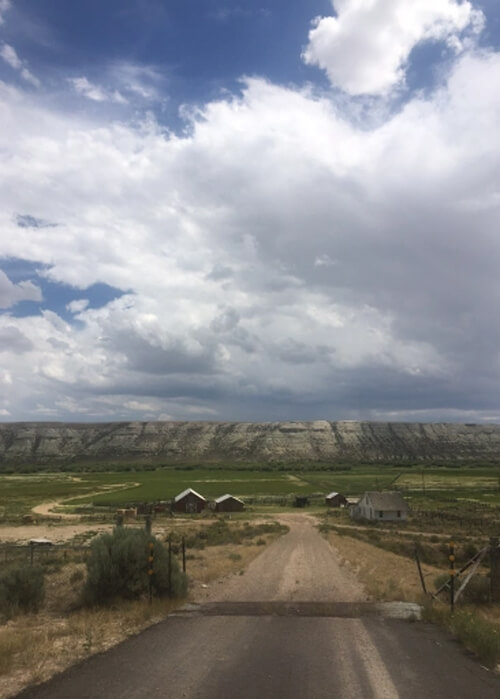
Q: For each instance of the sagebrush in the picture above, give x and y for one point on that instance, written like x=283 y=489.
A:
x=118 y=566
x=22 y=589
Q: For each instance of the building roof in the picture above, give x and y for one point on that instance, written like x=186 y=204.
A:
x=42 y=541
x=227 y=496
x=188 y=491
x=390 y=500
x=331 y=495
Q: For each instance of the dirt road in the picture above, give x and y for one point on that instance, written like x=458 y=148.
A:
x=295 y=624
x=298 y=566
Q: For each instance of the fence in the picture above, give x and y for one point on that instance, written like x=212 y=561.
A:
x=460 y=578
x=42 y=553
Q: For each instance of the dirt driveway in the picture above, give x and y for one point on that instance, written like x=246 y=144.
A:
x=301 y=565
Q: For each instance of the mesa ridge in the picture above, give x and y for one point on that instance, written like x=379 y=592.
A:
x=171 y=443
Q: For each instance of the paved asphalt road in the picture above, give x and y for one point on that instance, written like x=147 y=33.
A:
x=242 y=648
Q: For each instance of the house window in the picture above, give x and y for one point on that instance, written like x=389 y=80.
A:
x=380 y=514
x=399 y=513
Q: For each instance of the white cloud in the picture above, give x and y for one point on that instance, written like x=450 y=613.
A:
x=4 y=7
x=365 y=47
x=11 y=293
x=77 y=306
x=84 y=87
x=9 y=55
x=142 y=81
x=343 y=271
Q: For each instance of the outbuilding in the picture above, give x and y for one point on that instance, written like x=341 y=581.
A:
x=335 y=500
x=229 y=503
x=189 y=501
x=386 y=506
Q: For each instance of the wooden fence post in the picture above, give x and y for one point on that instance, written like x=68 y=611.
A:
x=417 y=559
x=150 y=570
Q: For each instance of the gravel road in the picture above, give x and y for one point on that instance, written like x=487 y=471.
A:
x=200 y=653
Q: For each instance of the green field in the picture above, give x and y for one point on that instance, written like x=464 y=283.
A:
x=427 y=488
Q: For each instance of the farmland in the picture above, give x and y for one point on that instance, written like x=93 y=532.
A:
x=428 y=488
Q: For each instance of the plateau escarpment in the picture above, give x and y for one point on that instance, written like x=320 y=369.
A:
x=170 y=443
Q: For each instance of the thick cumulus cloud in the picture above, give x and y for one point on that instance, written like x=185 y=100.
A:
x=365 y=47
x=278 y=261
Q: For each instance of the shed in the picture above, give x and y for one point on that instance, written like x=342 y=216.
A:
x=229 y=503
x=41 y=541
x=335 y=500
x=381 y=506
x=189 y=501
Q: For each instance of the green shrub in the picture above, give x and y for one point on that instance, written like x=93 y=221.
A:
x=22 y=589
x=479 y=635
x=76 y=577
x=117 y=567
x=477 y=590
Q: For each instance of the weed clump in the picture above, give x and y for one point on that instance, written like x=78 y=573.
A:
x=479 y=635
x=22 y=590
x=118 y=568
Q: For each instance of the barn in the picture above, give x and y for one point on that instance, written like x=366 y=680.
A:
x=189 y=501
x=386 y=506
x=229 y=503
x=335 y=500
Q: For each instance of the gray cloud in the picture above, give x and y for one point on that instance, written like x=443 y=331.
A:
x=342 y=273
x=12 y=340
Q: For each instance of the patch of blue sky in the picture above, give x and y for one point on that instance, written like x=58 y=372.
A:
x=56 y=296
x=200 y=48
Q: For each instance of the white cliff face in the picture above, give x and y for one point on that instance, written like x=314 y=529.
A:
x=286 y=442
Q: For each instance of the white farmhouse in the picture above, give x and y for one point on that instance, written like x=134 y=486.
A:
x=381 y=506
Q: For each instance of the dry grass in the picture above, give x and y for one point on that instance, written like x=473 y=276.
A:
x=385 y=575
x=217 y=562
x=35 y=647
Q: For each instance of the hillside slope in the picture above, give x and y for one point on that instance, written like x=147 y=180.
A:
x=223 y=442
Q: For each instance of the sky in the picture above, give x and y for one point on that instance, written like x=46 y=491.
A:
x=259 y=211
